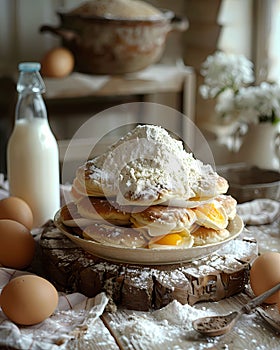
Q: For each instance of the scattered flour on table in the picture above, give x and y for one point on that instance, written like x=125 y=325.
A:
x=163 y=326
x=178 y=314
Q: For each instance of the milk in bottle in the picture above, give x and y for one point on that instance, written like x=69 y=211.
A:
x=32 y=152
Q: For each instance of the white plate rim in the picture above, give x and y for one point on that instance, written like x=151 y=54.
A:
x=144 y=256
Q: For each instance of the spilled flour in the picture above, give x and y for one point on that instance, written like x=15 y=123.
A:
x=162 y=326
x=170 y=328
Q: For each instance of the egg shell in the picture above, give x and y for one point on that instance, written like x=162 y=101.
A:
x=17 y=245
x=28 y=299
x=265 y=274
x=57 y=63
x=17 y=209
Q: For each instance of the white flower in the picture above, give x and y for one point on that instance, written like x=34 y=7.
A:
x=223 y=71
x=259 y=103
x=226 y=77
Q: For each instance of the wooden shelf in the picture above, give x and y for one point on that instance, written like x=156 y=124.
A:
x=79 y=93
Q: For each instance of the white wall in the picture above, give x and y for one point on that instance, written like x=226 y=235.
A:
x=236 y=19
x=20 y=21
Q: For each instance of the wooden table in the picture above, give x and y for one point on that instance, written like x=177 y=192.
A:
x=137 y=330
x=134 y=330
x=141 y=330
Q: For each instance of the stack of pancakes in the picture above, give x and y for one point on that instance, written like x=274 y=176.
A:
x=135 y=195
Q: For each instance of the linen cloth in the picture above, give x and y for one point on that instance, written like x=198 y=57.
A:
x=75 y=314
x=259 y=211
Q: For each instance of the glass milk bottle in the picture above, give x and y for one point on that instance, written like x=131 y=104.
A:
x=32 y=152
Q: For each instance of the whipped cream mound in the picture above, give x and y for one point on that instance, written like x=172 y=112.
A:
x=148 y=166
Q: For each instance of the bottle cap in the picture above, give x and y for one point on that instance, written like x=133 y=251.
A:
x=29 y=67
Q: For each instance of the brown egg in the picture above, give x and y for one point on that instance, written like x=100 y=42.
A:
x=265 y=274
x=57 y=63
x=17 y=245
x=17 y=209
x=28 y=299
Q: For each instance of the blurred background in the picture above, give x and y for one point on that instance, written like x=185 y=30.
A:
x=247 y=27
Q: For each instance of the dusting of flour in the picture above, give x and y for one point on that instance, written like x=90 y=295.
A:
x=162 y=326
x=148 y=164
x=178 y=314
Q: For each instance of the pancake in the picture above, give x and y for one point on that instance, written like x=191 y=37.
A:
x=151 y=189
x=209 y=184
x=159 y=220
x=104 y=211
x=229 y=204
x=117 y=236
x=157 y=227
x=203 y=236
x=91 y=177
x=149 y=167
x=69 y=216
x=75 y=195
x=187 y=203
x=211 y=215
x=78 y=190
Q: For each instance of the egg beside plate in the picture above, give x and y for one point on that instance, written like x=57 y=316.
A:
x=15 y=208
x=28 y=299
x=17 y=245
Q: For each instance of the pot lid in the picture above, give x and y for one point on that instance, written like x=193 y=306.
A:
x=118 y=9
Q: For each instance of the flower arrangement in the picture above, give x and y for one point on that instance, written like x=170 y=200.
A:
x=227 y=78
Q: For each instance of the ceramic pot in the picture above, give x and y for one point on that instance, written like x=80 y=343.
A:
x=104 y=45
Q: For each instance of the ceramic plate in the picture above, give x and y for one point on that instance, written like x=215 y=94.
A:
x=148 y=256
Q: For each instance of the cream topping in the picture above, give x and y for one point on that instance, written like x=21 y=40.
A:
x=148 y=165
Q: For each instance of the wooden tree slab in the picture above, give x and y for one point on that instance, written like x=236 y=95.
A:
x=137 y=287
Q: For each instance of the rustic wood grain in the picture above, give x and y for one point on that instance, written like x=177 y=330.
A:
x=96 y=338
x=137 y=287
x=250 y=331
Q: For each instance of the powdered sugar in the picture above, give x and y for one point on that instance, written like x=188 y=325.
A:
x=170 y=328
x=178 y=314
x=162 y=327
x=145 y=328
x=239 y=249
x=149 y=165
